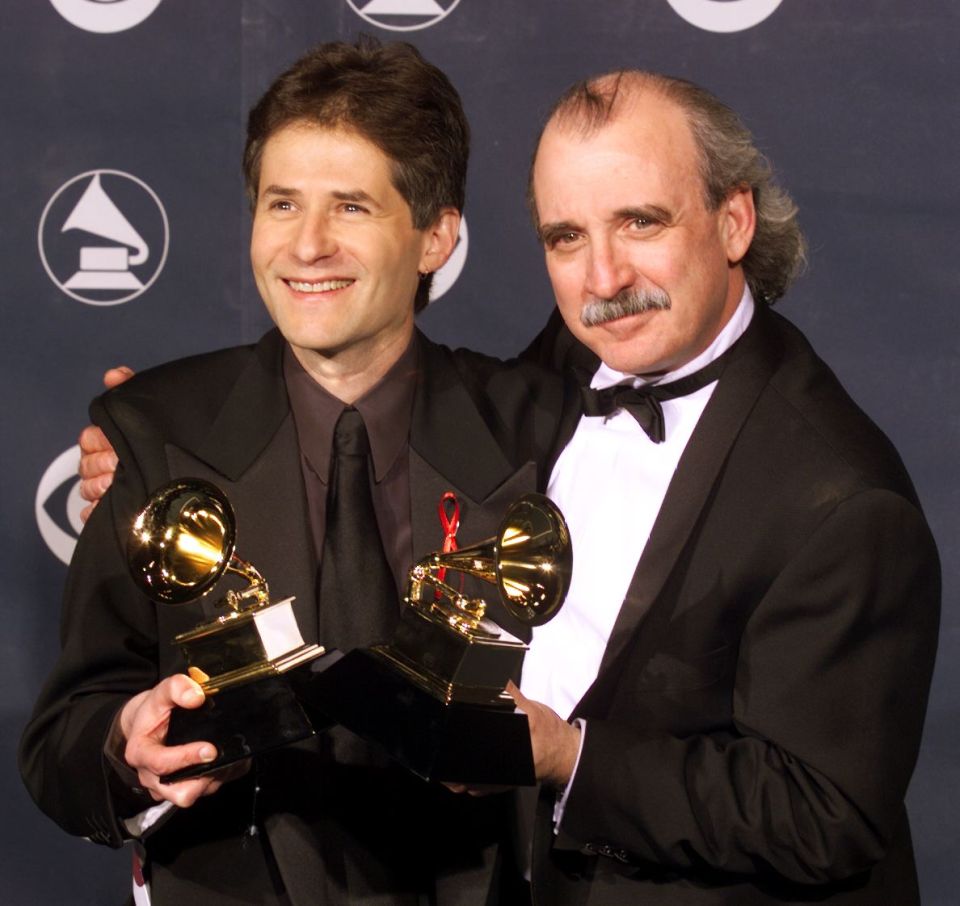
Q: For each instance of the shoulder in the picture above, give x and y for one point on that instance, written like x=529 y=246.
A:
x=182 y=397
x=817 y=416
x=493 y=381
x=519 y=402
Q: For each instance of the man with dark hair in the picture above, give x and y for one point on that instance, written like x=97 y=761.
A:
x=746 y=649
x=389 y=95
x=355 y=163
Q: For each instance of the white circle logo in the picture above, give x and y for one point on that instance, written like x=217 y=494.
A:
x=89 y=245
x=447 y=275
x=403 y=15
x=105 y=16
x=724 y=15
x=58 y=504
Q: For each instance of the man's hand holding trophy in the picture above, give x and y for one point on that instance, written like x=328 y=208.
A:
x=434 y=697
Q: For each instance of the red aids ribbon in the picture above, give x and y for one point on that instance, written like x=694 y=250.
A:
x=449 y=512
x=137 y=870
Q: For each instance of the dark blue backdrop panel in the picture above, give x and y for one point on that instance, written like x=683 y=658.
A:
x=856 y=108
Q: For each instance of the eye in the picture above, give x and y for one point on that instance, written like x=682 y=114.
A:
x=562 y=239
x=351 y=207
x=645 y=223
x=281 y=204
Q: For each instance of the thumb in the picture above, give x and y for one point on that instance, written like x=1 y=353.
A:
x=519 y=699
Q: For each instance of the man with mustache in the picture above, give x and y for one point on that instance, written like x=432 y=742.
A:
x=729 y=706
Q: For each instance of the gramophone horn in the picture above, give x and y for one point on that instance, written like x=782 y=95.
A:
x=530 y=559
x=96 y=213
x=183 y=541
x=534 y=559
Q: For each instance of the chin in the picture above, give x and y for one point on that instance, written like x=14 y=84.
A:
x=623 y=356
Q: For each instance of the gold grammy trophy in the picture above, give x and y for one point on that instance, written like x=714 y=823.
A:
x=182 y=543
x=434 y=697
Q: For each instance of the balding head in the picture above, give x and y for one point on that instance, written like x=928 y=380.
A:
x=726 y=155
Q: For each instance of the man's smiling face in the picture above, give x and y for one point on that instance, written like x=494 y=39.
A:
x=622 y=216
x=334 y=251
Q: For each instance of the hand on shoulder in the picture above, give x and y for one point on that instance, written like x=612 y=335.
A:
x=98 y=460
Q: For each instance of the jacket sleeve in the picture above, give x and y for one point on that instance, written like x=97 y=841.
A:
x=831 y=680
x=108 y=638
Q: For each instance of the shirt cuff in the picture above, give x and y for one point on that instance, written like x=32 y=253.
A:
x=561 y=802
x=148 y=820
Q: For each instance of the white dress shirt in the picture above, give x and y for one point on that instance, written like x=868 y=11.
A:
x=610 y=482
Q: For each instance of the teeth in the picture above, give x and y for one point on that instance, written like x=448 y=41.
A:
x=322 y=287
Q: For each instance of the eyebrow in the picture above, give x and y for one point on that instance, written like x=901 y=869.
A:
x=645 y=212
x=356 y=195
x=279 y=190
x=548 y=231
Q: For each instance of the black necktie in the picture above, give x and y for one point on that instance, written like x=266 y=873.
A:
x=643 y=403
x=358 y=595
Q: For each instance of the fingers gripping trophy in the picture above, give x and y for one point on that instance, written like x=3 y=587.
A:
x=182 y=543
x=433 y=696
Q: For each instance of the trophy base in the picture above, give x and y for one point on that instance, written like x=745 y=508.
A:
x=454 y=741
x=241 y=722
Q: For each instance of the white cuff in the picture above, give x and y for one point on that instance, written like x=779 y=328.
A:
x=148 y=819
x=561 y=802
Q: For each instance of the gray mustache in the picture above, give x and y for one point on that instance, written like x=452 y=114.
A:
x=626 y=302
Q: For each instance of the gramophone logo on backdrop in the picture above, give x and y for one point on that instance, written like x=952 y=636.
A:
x=105 y=16
x=724 y=15
x=447 y=275
x=103 y=237
x=403 y=15
x=58 y=504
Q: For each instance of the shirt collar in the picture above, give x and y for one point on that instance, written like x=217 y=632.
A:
x=731 y=332
x=386 y=409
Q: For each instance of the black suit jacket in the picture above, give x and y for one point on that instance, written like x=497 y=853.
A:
x=758 y=710
x=331 y=835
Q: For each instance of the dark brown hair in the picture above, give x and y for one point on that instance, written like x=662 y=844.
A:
x=392 y=97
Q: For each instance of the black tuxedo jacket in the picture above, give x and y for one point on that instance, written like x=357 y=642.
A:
x=478 y=428
x=758 y=710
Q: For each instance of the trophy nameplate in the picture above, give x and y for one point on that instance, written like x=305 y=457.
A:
x=182 y=542
x=434 y=696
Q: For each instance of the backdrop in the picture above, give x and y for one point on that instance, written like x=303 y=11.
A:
x=124 y=236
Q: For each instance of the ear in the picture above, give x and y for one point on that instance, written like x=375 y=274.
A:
x=440 y=239
x=738 y=223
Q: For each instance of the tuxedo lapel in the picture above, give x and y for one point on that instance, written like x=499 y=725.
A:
x=745 y=376
x=448 y=431
x=578 y=365
x=452 y=449
x=251 y=414
x=250 y=451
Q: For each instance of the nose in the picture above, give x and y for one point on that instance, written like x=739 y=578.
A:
x=608 y=270
x=313 y=239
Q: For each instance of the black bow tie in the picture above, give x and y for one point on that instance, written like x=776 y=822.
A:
x=643 y=403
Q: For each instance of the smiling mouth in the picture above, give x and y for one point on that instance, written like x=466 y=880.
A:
x=324 y=286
